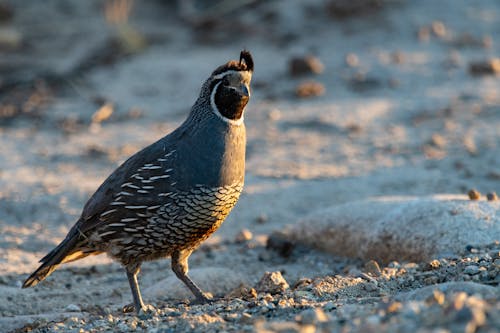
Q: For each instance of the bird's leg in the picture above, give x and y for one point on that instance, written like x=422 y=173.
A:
x=136 y=292
x=180 y=268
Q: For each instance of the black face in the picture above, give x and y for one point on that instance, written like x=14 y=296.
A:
x=231 y=100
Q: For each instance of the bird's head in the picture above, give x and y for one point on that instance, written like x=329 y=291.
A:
x=229 y=88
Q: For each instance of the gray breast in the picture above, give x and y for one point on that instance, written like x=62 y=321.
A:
x=212 y=155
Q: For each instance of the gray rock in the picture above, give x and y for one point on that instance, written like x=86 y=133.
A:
x=471 y=270
x=272 y=282
x=400 y=228
x=470 y=288
x=73 y=308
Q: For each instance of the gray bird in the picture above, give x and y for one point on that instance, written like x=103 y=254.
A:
x=172 y=195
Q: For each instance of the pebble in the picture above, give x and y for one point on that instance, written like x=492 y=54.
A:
x=310 y=89
x=305 y=65
x=434 y=264
x=244 y=236
x=438 y=29
x=280 y=243
x=474 y=194
x=370 y=286
x=373 y=268
x=352 y=60
x=272 y=282
x=246 y=318
x=329 y=306
x=485 y=67
x=73 y=308
x=312 y=316
x=492 y=196
x=244 y=292
x=273 y=115
x=471 y=270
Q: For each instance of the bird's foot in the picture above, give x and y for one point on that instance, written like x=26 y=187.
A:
x=204 y=298
x=145 y=311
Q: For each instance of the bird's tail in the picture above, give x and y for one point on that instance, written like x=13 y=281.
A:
x=68 y=250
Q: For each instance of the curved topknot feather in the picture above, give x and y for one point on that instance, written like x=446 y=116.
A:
x=245 y=64
x=247 y=60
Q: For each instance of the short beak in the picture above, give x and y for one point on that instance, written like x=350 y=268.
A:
x=245 y=90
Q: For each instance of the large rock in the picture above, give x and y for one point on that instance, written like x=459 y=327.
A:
x=400 y=228
x=470 y=288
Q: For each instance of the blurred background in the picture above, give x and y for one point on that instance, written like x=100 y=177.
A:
x=351 y=99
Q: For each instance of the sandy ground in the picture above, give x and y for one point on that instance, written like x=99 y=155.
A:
x=402 y=114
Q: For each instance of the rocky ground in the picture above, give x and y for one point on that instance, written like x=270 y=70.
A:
x=369 y=123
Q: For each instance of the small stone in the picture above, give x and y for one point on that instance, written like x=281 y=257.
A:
x=474 y=194
x=394 y=264
x=312 y=316
x=459 y=300
x=103 y=113
x=370 y=286
x=487 y=67
x=352 y=60
x=305 y=65
x=424 y=34
x=272 y=282
x=373 y=268
x=133 y=324
x=231 y=316
x=303 y=294
x=394 y=307
x=437 y=140
x=10 y=38
x=471 y=270
x=492 y=196
x=246 y=318
x=330 y=306
x=438 y=29
x=434 y=264
x=398 y=57
x=244 y=292
x=6 y=12
x=244 y=236
x=280 y=243
x=73 y=308
x=438 y=296
x=262 y=218
x=471 y=248
x=360 y=82
x=309 y=89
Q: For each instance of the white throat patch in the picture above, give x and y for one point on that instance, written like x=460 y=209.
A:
x=215 y=109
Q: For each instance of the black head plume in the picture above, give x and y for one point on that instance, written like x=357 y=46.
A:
x=245 y=64
x=246 y=60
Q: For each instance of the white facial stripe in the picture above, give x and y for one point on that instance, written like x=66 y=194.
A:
x=221 y=75
x=244 y=73
x=236 y=122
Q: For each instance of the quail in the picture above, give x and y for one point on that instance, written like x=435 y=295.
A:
x=165 y=200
